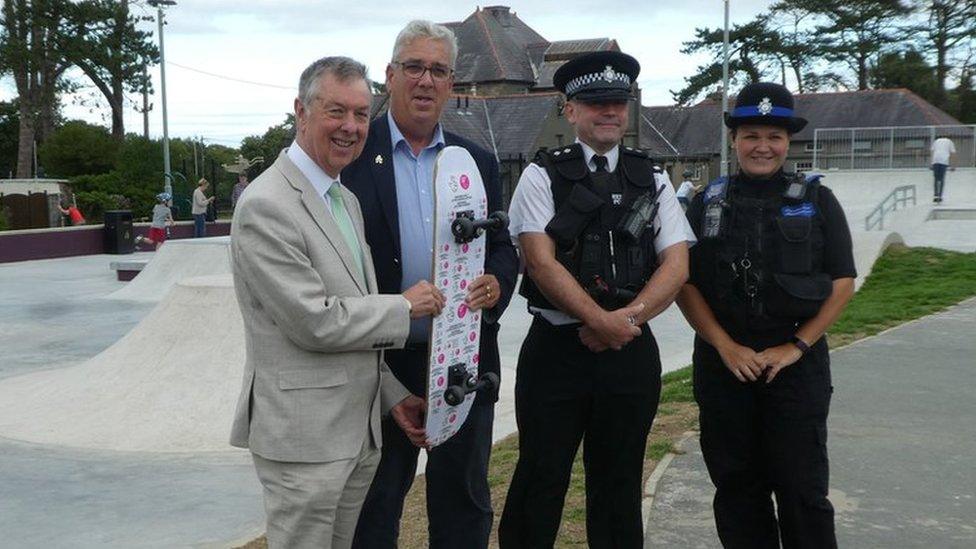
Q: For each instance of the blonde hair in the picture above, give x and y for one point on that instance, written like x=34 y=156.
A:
x=203 y=181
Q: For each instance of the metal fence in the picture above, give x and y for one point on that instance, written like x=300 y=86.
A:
x=509 y=170
x=889 y=147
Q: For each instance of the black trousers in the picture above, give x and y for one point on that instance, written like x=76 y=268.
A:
x=761 y=440
x=458 y=499
x=939 y=173
x=565 y=394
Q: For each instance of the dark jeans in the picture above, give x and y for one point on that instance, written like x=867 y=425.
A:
x=761 y=440
x=565 y=395
x=939 y=171
x=199 y=225
x=458 y=499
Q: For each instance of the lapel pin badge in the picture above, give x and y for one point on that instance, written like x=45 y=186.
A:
x=379 y=159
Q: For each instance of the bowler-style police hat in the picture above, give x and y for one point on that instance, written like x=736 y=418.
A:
x=766 y=104
x=598 y=77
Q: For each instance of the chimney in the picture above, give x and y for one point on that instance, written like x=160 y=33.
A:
x=502 y=14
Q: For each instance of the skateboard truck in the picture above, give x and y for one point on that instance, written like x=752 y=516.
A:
x=460 y=383
x=466 y=228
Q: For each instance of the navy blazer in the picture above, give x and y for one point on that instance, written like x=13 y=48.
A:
x=374 y=185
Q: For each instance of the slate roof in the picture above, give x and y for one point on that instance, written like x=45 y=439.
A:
x=495 y=45
x=515 y=120
x=694 y=130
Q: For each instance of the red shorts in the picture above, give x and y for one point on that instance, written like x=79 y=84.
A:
x=157 y=235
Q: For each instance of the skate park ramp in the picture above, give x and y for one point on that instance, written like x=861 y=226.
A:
x=861 y=191
x=174 y=261
x=169 y=385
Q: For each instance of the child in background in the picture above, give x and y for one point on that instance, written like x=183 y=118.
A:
x=162 y=218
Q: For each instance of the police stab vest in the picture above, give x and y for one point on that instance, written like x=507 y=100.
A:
x=767 y=253
x=597 y=220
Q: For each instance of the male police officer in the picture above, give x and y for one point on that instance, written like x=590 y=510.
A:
x=605 y=247
x=772 y=271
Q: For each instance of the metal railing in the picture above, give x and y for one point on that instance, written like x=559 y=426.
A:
x=899 y=196
x=887 y=148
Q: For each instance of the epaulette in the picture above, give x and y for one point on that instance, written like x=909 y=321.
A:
x=634 y=152
x=569 y=152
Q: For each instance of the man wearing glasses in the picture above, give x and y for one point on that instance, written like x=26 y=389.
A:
x=393 y=181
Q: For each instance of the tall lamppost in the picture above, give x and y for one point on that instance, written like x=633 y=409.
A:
x=167 y=174
x=724 y=168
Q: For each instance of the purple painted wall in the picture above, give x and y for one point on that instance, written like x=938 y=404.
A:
x=84 y=240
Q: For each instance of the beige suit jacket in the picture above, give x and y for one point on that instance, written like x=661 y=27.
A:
x=315 y=383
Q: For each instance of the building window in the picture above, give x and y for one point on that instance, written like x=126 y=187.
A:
x=862 y=145
x=559 y=139
x=915 y=143
x=804 y=166
x=809 y=147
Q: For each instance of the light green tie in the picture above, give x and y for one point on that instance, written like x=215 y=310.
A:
x=341 y=216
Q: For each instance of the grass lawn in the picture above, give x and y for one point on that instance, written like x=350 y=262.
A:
x=905 y=284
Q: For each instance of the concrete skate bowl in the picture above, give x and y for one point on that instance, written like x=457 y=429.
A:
x=174 y=261
x=169 y=385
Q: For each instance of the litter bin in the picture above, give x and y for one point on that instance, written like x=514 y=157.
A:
x=118 y=232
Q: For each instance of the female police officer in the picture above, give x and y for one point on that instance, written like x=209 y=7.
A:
x=772 y=271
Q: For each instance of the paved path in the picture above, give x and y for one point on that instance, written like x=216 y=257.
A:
x=901 y=445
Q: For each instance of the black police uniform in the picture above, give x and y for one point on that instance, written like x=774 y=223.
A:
x=779 y=245
x=565 y=393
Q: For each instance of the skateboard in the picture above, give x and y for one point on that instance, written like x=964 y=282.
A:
x=460 y=221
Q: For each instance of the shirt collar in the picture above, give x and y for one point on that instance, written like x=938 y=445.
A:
x=315 y=174
x=612 y=156
x=396 y=136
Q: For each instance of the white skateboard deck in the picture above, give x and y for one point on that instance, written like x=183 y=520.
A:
x=456 y=332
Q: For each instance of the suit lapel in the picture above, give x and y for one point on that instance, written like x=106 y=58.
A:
x=315 y=205
x=384 y=177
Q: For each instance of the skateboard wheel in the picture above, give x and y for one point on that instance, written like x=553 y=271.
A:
x=454 y=395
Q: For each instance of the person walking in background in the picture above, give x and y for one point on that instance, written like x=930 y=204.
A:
x=686 y=189
x=239 y=187
x=162 y=217
x=942 y=150
x=199 y=208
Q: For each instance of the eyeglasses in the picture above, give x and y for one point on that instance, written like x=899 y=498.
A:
x=416 y=70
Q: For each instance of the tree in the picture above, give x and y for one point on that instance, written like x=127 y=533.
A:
x=106 y=45
x=30 y=51
x=905 y=69
x=753 y=50
x=951 y=23
x=78 y=148
x=856 y=32
x=9 y=123
x=272 y=142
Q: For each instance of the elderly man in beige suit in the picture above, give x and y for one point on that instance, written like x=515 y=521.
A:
x=315 y=383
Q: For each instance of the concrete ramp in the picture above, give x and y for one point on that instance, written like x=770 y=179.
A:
x=174 y=261
x=169 y=385
x=860 y=192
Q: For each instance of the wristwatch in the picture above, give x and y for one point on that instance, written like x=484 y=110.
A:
x=800 y=344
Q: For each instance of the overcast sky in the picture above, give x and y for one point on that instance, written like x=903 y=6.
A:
x=269 y=42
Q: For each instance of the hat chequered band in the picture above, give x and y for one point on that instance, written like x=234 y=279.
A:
x=582 y=81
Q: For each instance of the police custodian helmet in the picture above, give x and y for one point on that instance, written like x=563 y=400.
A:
x=598 y=77
x=767 y=104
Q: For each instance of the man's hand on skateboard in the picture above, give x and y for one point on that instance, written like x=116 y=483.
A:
x=483 y=293
x=409 y=415
x=612 y=329
x=425 y=299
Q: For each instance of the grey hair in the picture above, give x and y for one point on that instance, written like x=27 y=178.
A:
x=342 y=68
x=421 y=28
